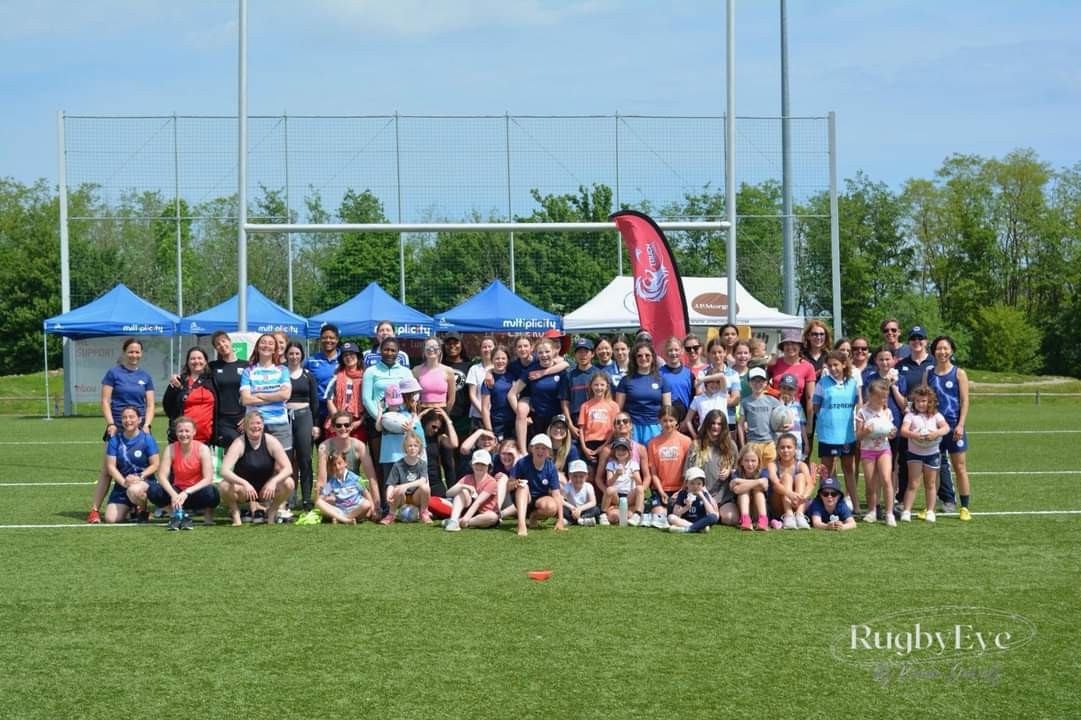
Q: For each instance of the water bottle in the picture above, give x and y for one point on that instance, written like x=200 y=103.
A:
x=623 y=512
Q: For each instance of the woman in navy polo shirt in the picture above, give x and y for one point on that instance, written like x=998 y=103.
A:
x=643 y=392
x=124 y=385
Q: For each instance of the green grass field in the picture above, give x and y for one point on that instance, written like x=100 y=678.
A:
x=409 y=621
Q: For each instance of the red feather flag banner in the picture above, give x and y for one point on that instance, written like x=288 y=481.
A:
x=658 y=287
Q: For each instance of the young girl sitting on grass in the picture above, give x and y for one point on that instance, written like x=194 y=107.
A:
x=923 y=427
x=407 y=481
x=344 y=497
x=792 y=480
x=874 y=430
x=624 y=480
x=749 y=485
x=693 y=510
x=579 y=500
x=475 y=496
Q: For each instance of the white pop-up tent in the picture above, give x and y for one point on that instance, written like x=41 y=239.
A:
x=707 y=306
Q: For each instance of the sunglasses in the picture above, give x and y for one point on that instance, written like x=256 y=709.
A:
x=829 y=493
x=622 y=422
x=817 y=334
x=692 y=348
x=891 y=331
x=342 y=426
x=860 y=348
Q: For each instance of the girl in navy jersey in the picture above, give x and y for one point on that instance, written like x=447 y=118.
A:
x=124 y=385
x=544 y=389
x=950 y=384
x=497 y=416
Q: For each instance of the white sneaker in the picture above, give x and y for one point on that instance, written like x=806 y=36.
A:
x=848 y=502
x=647 y=520
x=603 y=520
x=452 y=526
x=634 y=520
x=660 y=521
x=788 y=521
x=870 y=517
x=677 y=529
x=906 y=516
x=587 y=522
x=801 y=522
x=891 y=521
x=929 y=517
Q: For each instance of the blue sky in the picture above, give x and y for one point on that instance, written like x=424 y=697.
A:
x=910 y=81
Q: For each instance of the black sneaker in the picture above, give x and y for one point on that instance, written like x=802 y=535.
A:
x=245 y=515
x=186 y=523
x=174 y=523
x=258 y=517
x=308 y=505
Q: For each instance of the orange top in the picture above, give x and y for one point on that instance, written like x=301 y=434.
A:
x=595 y=419
x=666 y=456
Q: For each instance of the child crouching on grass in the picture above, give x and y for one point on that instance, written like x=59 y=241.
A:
x=828 y=512
x=407 y=481
x=475 y=496
x=344 y=497
x=579 y=499
x=692 y=508
x=749 y=485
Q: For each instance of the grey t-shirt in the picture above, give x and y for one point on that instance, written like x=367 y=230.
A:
x=402 y=472
x=756 y=413
x=712 y=463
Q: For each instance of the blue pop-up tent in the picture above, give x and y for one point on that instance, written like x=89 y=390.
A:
x=117 y=312
x=359 y=315
x=496 y=309
x=264 y=316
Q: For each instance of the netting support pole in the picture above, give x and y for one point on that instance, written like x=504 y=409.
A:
x=288 y=213
x=65 y=258
x=788 y=249
x=401 y=236
x=242 y=171
x=835 y=230
x=176 y=210
x=619 y=238
x=510 y=216
x=730 y=155
x=45 y=349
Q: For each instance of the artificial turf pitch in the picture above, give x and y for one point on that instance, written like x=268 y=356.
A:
x=410 y=621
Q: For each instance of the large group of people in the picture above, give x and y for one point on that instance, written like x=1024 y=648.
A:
x=678 y=434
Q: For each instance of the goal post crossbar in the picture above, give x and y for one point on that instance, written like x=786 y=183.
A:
x=468 y=227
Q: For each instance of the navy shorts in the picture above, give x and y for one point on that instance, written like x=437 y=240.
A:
x=119 y=496
x=931 y=461
x=826 y=450
x=948 y=445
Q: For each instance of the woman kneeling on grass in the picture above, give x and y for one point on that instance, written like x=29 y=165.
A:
x=476 y=496
x=344 y=497
x=186 y=478
x=256 y=468
x=131 y=459
x=538 y=495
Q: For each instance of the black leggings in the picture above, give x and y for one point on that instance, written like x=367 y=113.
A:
x=302 y=449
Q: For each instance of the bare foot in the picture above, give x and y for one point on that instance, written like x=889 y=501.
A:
x=522 y=532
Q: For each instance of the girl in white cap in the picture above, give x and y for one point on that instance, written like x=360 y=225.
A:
x=475 y=496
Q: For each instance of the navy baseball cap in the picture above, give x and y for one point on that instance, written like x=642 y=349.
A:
x=830 y=483
x=583 y=344
x=788 y=380
x=917 y=331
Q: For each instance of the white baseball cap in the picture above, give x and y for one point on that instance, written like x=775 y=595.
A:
x=541 y=439
x=481 y=457
x=693 y=473
x=577 y=466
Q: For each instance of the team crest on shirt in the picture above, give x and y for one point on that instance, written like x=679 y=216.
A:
x=656 y=386
x=949 y=383
x=138 y=453
x=142 y=382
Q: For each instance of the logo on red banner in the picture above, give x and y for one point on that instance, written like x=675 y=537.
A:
x=652 y=284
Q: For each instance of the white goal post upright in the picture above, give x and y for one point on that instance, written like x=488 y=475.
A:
x=244 y=227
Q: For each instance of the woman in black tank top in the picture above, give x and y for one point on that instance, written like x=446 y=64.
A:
x=256 y=470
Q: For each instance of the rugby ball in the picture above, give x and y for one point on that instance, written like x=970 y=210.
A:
x=880 y=427
x=396 y=422
x=408 y=513
x=779 y=417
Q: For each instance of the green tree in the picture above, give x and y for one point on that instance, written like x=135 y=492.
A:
x=359 y=258
x=1004 y=340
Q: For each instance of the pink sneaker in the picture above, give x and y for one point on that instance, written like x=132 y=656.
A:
x=776 y=524
x=387 y=519
x=745 y=522
x=425 y=517
x=763 y=522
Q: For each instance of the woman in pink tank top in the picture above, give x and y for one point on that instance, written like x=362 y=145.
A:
x=437 y=387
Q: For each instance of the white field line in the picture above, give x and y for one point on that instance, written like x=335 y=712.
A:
x=79 y=525
x=1022 y=432
x=52 y=442
x=53 y=484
